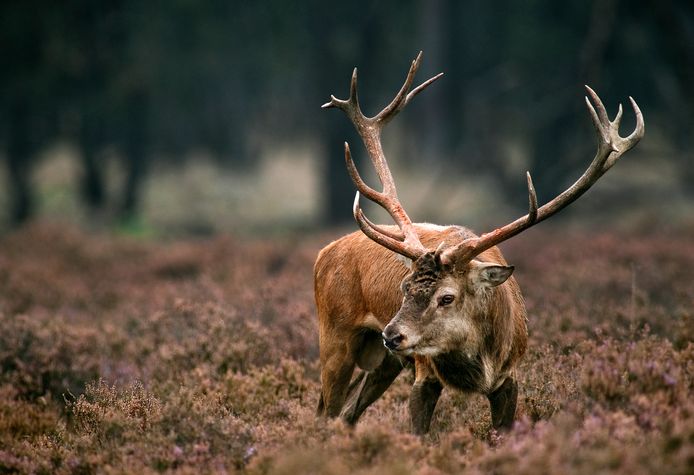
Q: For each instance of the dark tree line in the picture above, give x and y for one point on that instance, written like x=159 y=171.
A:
x=68 y=72
x=158 y=80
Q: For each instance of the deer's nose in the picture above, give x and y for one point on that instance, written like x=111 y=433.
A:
x=392 y=338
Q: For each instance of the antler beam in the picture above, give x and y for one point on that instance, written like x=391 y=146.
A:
x=611 y=146
x=406 y=242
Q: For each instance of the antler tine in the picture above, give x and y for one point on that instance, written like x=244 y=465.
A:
x=365 y=189
x=400 y=98
x=618 y=118
x=532 y=199
x=611 y=146
x=350 y=105
x=364 y=222
x=640 y=128
x=421 y=87
x=404 y=96
x=383 y=199
x=353 y=89
x=601 y=112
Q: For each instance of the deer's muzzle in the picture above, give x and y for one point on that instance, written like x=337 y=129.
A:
x=392 y=338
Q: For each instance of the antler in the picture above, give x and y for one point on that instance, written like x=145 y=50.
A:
x=610 y=147
x=406 y=242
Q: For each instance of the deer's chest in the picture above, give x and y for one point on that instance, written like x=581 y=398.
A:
x=460 y=370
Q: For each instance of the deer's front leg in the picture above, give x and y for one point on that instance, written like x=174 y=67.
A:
x=425 y=393
x=369 y=386
x=503 y=404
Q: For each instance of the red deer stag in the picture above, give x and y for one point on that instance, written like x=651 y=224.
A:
x=455 y=309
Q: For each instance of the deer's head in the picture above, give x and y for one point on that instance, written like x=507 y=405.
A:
x=444 y=300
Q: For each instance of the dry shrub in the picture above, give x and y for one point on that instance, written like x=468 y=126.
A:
x=24 y=419
x=267 y=391
x=616 y=371
x=201 y=357
x=136 y=431
x=188 y=335
x=548 y=381
x=107 y=414
x=40 y=356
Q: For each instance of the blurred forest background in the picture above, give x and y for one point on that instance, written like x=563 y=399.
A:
x=189 y=117
x=197 y=125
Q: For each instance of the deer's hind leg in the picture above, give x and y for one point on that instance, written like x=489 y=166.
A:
x=337 y=365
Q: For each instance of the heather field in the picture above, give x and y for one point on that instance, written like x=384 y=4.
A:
x=200 y=356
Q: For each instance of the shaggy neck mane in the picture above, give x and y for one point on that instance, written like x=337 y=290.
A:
x=492 y=313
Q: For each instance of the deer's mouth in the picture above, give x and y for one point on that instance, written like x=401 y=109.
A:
x=402 y=346
x=402 y=351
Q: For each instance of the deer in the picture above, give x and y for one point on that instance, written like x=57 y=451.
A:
x=440 y=297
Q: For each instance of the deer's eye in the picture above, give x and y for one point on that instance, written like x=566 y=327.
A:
x=446 y=300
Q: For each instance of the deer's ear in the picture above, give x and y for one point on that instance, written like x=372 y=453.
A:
x=405 y=260
x=488 y=274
